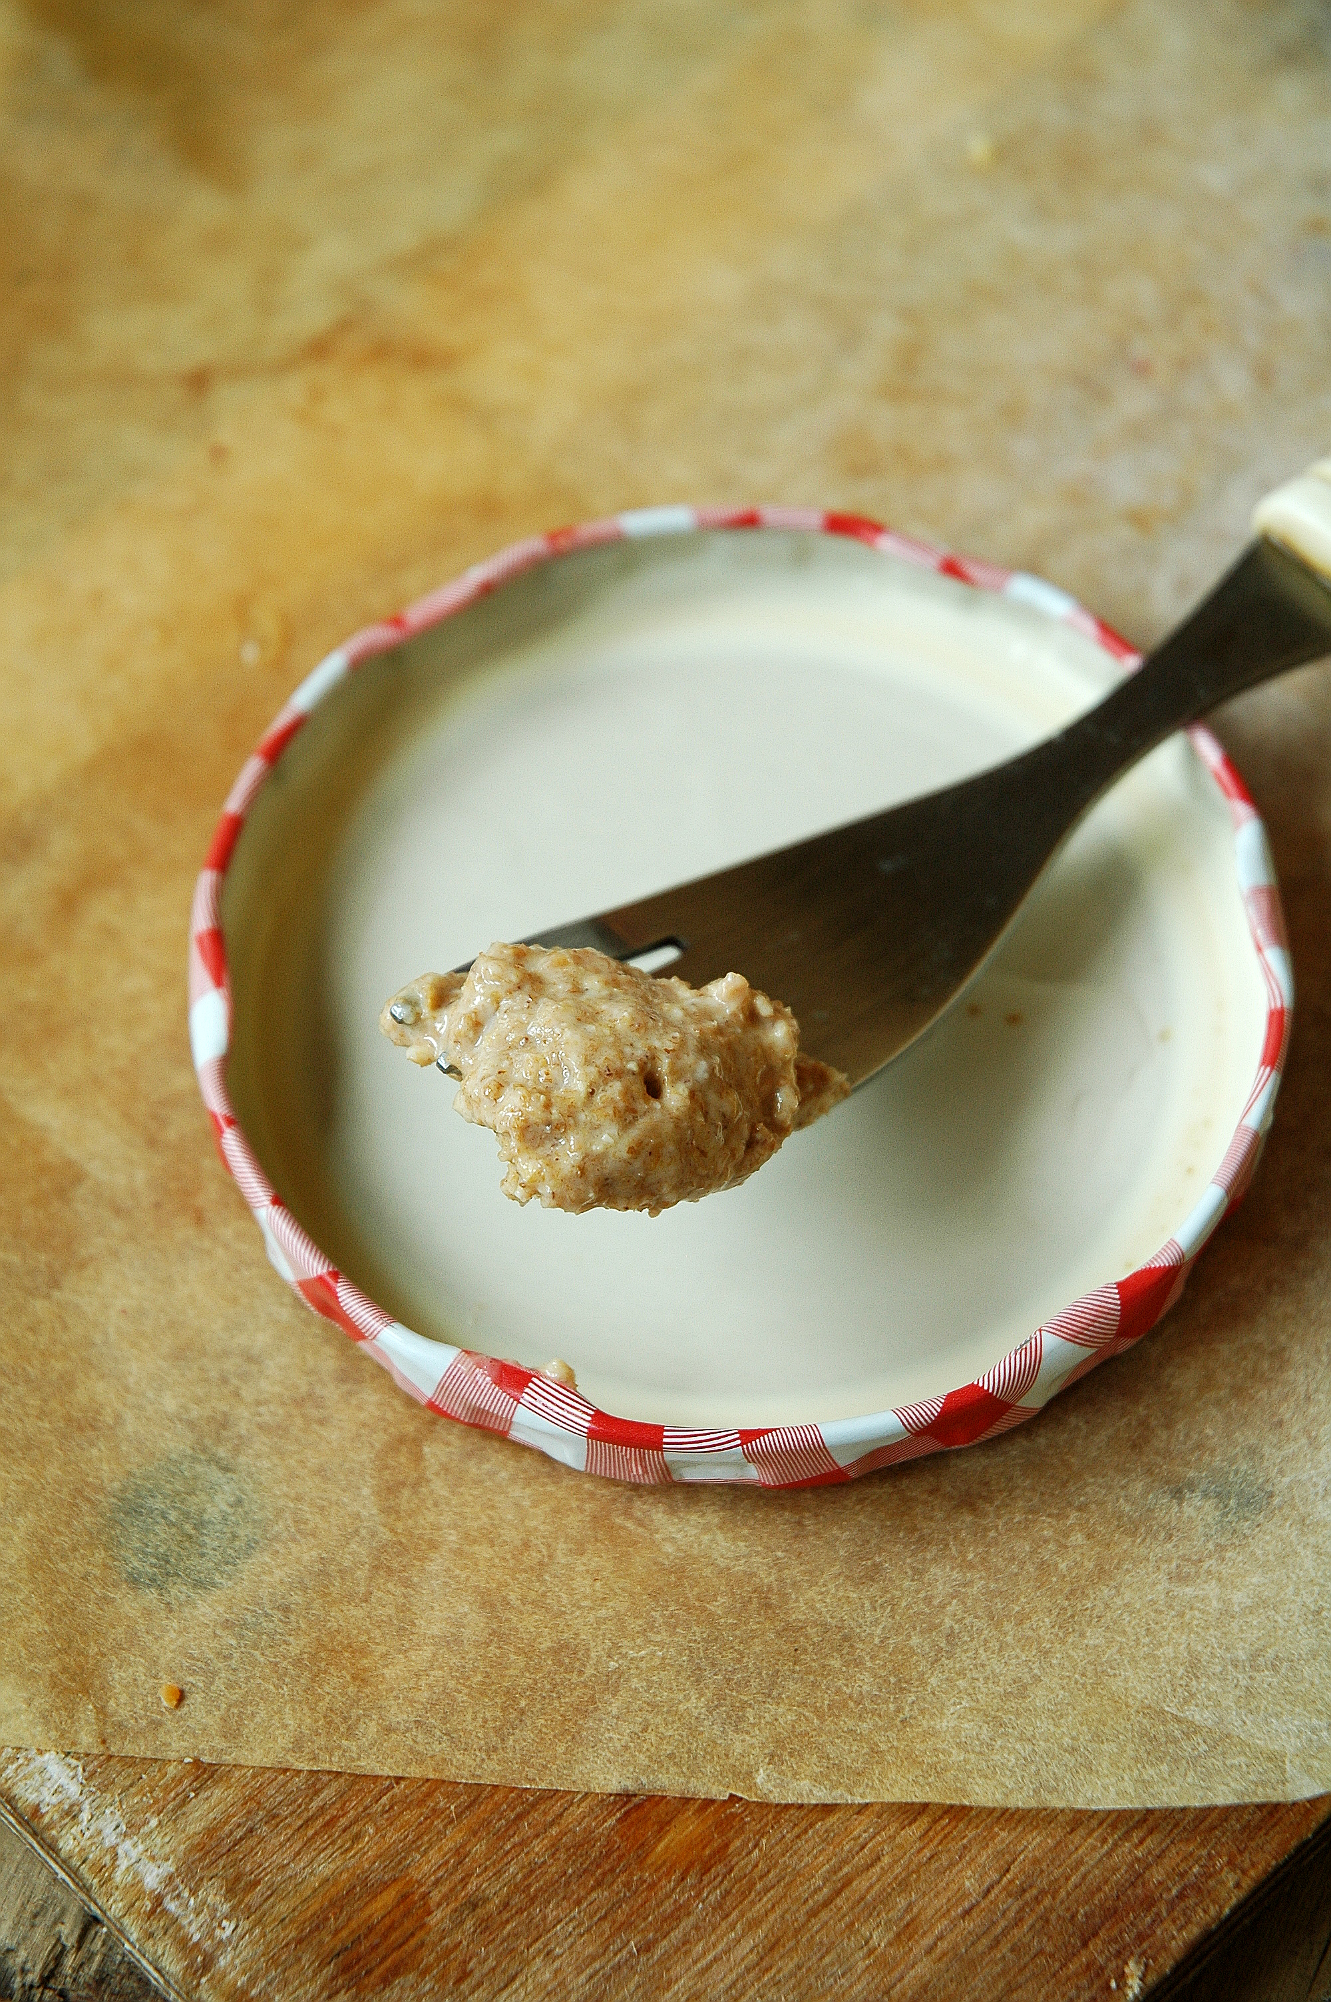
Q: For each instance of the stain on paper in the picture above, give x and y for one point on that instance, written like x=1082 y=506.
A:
x=184 y=1524
x=1234 y=1496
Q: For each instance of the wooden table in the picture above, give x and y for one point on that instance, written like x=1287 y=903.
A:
x=617 y=255
x=323 y=1885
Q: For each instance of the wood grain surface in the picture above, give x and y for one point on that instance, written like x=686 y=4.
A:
x=241 y=1883
x=304 y=307
x=52 y=1943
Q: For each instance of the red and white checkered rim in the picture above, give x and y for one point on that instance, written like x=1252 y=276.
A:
x=533 y=1408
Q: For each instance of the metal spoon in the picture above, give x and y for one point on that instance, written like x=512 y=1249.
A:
x=870 y=931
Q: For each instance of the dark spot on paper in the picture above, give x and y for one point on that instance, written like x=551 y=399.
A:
x=1232 y=1496
x=183 y=1525
x=1014 y=1018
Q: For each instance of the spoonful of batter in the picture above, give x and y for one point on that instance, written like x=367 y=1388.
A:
x=608 y=1087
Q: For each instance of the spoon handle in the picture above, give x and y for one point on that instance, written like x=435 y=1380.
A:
x=1271 y=612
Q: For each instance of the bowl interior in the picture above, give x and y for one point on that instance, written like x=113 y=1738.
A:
x=629 y=716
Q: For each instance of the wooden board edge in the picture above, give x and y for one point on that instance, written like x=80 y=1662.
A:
x=28 y=1835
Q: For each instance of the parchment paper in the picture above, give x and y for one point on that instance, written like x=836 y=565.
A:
x=1122 y=1603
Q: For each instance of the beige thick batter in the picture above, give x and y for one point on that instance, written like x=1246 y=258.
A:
x=607 y=1088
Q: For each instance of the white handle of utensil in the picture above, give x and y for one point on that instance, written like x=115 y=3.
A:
x=1299 y=515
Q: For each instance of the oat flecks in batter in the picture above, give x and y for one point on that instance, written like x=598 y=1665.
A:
x=607 y=1088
